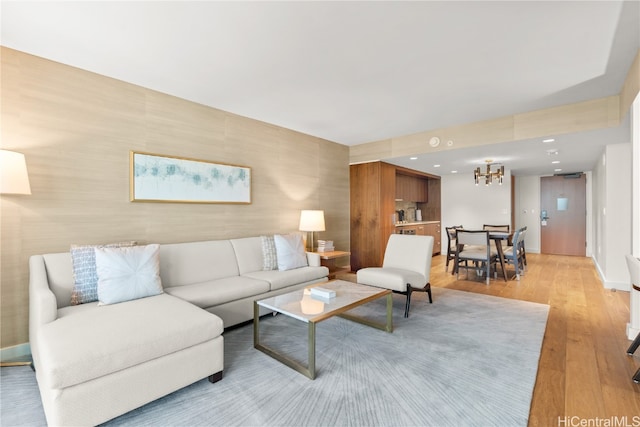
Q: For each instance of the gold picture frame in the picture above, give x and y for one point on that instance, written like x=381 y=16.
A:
x=173 y=179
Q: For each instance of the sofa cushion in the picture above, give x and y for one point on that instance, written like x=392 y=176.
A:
x=196 y=262
x=125 y=274
x=248 y=252
x=216 y=292
x=282 y=279
x=89 y=341
x=290 y=251
x=83 y=258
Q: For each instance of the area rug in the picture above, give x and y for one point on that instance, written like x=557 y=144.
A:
x=465 y=360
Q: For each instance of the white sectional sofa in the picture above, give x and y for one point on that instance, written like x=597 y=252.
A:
x=95 y=362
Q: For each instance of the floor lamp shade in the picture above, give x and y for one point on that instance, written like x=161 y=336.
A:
x=13 y=173
x=311 y=220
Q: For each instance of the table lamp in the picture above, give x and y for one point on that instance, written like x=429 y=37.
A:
x=311 y=221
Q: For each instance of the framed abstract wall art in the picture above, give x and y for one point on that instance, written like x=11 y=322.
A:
x=160 y=178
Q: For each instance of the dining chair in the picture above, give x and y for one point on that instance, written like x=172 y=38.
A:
x=514 y=254
x=489 y=227
x=475 y=246
x=523 y=235
x=406 y=267
x=451 y=247
x=506 y=228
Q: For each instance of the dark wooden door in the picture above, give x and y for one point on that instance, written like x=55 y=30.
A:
x=564 y=230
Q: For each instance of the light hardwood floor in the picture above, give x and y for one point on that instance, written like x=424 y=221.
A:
x=584 y=372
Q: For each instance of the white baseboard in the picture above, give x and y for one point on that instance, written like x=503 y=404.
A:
x=9 y=354
x=607 y=284
x=620 y=286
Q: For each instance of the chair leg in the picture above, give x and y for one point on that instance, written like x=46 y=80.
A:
x=489 y=272
x=406 y=307
x=634 y=345
x=516 y=264
x=428 y=287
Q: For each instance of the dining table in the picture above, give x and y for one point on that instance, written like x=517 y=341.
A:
x=498 y=237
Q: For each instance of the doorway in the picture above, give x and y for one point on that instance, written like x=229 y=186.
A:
x=563 y=214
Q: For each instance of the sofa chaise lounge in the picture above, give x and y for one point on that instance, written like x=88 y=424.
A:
x=95 y=362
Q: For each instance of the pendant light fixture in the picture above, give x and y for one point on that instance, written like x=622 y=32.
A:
x=488 y=175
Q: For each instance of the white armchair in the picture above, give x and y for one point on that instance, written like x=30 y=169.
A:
x=406 y=267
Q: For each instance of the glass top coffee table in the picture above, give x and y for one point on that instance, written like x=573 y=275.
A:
x=312 y=309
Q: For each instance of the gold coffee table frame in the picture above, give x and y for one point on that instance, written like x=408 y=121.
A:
x=348 y=296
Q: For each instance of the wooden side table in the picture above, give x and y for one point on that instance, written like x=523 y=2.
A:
x=328 y=259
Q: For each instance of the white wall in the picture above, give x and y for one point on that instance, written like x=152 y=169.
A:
x=633 y=328
x=472 y=206
x=527 y=207
x=618 y=194
x=612 y=215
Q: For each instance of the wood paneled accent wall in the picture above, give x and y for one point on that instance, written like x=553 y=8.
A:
x=76 y=129
x=431 y=210
x=373 y=190
x=373 y=204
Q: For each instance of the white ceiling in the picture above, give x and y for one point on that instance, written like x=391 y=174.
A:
x=354 y=72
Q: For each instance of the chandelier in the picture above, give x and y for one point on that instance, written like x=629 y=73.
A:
x=488 y=175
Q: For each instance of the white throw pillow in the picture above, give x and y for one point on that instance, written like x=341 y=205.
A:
x=128 y=273
x=290 y=251
x=83 y=258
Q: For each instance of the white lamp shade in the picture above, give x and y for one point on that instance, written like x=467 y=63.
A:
x=13 y=173
x=311 y=221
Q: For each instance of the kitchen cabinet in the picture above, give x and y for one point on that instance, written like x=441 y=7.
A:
x=373 y=191
x=374 y=188
x=411 y=188
x=433 y=229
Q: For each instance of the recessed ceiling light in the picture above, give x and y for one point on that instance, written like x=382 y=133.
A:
x=557 y=170
x=555 y=162
x=454 y=171
x=436 y=166
x=413 y=158
x=546 y=141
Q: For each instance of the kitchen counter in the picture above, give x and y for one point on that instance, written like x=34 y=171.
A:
x=402 y=224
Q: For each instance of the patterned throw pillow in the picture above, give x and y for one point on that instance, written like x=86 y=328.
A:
x=85 y=275
x=125 y=274
x=269 y=255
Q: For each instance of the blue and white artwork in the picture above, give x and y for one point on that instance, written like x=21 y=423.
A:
x=173 y=179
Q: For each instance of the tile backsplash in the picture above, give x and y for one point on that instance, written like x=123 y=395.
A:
x=409 y=210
